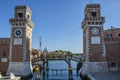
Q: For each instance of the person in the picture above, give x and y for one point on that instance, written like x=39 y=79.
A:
x=37 y=70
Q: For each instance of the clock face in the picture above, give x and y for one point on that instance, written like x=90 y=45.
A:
x=95 y=31
x=18 y=32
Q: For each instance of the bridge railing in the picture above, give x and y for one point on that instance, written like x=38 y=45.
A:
x=41 y=58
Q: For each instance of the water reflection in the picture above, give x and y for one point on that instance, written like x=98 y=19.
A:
x=58 y=70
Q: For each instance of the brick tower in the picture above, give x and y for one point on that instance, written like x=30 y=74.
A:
x=21 y=41
x=93 y=44
x=92 y=26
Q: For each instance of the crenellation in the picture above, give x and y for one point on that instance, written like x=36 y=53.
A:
x=92 y=6
x=21 y=7
x=95 y=18
x=4 y=40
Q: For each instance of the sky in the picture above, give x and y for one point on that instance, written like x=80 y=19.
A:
x=58 y=22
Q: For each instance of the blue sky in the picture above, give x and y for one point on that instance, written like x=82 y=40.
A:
x=58 y=22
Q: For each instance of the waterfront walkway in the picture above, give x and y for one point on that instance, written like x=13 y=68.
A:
x=106 y=76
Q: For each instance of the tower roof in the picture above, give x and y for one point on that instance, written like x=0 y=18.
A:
x=93 y=5
x=90 y=6
x=22 y=7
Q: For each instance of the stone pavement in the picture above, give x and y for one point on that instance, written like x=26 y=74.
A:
x=106 y=76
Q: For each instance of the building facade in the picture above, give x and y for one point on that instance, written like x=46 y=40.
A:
x=92 y=25
x=100 y=47
x=112 y=44
x=4 y=54
x=16 y=51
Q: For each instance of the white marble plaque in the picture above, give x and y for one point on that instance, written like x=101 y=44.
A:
x=95 y=40
x=3 y=59
x=18 y=41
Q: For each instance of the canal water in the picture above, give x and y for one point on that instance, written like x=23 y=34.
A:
x=58 y=70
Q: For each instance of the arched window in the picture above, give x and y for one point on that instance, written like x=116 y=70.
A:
x=20 y=15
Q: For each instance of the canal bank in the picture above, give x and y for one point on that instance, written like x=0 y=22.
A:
x=101 y=76
x=99 y=71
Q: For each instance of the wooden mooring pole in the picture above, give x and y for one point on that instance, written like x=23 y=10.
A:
x=44 y=70
x=47 y=66
x=70 y=76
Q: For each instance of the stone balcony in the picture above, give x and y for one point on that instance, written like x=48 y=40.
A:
x=95 y=18
x=20 y=20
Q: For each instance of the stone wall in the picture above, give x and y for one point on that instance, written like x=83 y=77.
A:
x=94 y=67
x=112 y=44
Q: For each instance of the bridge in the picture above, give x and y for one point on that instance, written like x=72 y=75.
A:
x=42 y=58
x=45 y=60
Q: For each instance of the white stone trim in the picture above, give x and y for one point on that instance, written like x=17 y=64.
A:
x=4 y=60
x=94 y=25
x=29 y=28
x=10 y=51
x=104 y=52
x=103 y=44
x=24 y=50
x=87 y=44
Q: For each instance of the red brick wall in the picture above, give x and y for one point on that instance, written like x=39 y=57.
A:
x=17 y=50
x=112 y=46
x=4 y=48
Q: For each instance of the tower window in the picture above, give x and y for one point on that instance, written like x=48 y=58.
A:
x=20 y=15
x=96 y=23
x=93 y=14
x=16 y=24
x=13 y=24
x=28 y=16
x=109 y=35
x=92 y=23
x=23 y=24
x=100 y=23
x=19 y=24
x=4 y=55
x=88 y=23
x=118 y=34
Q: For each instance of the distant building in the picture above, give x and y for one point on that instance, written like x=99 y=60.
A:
x=35 y=53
